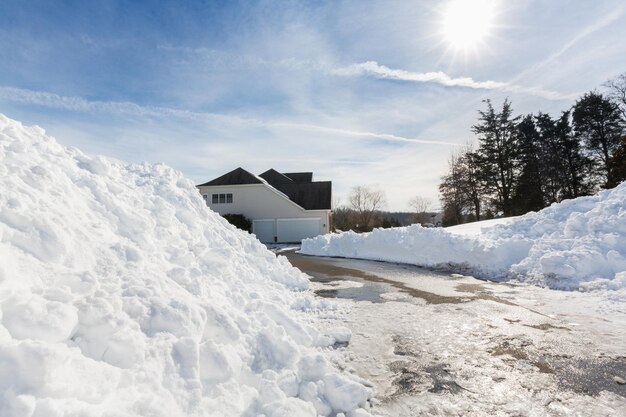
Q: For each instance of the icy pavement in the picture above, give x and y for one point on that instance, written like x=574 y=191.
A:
x=282 y=247
x=444 y=344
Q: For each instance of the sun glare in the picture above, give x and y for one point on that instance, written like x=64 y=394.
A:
x=466 y=23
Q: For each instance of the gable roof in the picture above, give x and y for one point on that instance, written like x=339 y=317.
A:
x=234 y=177
x=300 y=176
x=274 y=177
x=310 y=195
x=298 y=187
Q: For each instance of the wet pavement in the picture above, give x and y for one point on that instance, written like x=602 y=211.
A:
x=411 y=370
x=373 y=286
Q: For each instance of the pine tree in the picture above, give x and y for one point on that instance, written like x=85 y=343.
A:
x=452 y=193
x=551 y=163
x=618 y=164
x=598 y=124
x=498 y=153
x=529 y=195
x=575 y=165
x=473 y=188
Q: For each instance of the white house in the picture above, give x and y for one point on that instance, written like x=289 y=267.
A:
x=282 y=207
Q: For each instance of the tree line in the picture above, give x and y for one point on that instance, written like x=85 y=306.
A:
x=526 y=162
x=364 y=211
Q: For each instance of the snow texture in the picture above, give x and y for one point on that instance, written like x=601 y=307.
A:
x=122 y=294
x=576 y=244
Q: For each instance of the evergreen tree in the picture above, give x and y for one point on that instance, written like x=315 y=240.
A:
x=551 y=163
x=598 y=124
x=575 y=165
x=472 y=186
x=452 y=193
x=529 y=188
x=498 y=153
x=618 y=164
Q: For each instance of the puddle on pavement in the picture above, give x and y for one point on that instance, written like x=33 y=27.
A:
x=368 y=292
x=325 y=271
x=373 y=286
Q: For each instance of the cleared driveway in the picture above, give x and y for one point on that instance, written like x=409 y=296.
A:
x=443 y=344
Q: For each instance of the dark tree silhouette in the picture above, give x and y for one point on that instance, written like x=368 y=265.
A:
x=498 y=153
x=598 y=124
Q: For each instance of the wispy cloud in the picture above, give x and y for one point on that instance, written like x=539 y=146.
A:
x=381 y=71
x=604 y=21
x=372 y=68
x=381 y=136
x=211 y=59
x=78 y=104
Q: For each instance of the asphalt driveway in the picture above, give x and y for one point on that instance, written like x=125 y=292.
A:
x=434 y=343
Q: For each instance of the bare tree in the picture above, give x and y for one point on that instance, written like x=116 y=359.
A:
x=617 y=92
x=420 y=206
x=366 y=203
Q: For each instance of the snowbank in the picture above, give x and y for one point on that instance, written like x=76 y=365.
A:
x=577 y=244
x=122 y=294
x=476 y=228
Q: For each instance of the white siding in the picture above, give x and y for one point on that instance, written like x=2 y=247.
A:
x=259 y=201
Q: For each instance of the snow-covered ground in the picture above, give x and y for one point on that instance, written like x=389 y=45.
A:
x=576 y=244
x=476 y=228
x=122 y=294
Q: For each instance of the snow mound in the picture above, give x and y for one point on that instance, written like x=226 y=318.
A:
x=576 y=244
x=122 y=294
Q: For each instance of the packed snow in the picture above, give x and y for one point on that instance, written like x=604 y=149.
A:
x=476 y=228
x=576 y=244
x=122 y=294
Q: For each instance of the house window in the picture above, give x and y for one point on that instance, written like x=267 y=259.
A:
x=221 y=198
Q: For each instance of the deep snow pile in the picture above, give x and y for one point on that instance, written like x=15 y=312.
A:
x=121 y=294
x=577 y=244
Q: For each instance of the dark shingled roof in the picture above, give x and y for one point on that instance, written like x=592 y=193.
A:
x=310 y=195
x=234 y=177
x=274 y=177
x=299 y=187
x=300 y=176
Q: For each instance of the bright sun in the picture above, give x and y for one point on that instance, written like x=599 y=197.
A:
x=466 y=23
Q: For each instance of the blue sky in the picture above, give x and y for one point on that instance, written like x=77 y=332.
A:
x=359 y=92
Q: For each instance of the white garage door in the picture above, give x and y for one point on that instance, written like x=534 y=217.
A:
x=264 y=230
x=294 y=230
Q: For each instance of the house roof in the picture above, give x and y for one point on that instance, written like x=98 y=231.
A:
x=300 y=176
x=298 y=187
x=235 y=177
x=274 y=177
